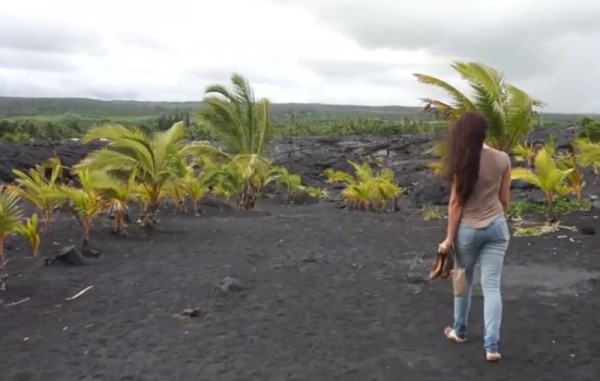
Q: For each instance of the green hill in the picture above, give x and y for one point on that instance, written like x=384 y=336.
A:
x=82 y=109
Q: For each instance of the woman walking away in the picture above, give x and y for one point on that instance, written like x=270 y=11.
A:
x=480 y=189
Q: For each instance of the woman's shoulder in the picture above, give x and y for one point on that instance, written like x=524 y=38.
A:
x=496 y=152
x=497 y=155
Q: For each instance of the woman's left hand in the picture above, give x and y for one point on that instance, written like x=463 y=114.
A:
x=444 y=247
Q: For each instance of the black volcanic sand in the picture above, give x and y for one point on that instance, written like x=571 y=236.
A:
x=327 y=294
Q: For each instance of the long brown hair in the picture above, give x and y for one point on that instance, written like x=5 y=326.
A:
x=463 y=150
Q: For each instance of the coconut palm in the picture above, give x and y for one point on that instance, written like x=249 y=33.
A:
x=10 y=218
x=85 y=201
x=34 y=187
x=366 y=188
x=236 y=118
x=288 y=181
x=193 y=184
x=508 y=109
x=546 y=175
x=244 y=177
x=240 y=123
x=116 y=196
x=30 y=232
x=587 y=152
x=524 y=152
x=574 y=179
x=154 y=158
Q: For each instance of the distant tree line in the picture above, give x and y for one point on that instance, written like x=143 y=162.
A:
x=19 y=131
x=166 y=121
x=291 y=125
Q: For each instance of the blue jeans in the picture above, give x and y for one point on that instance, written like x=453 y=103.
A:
x=488 y=245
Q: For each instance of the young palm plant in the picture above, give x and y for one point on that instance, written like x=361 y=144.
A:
x=288 y=181
x=243 y=177
x=365 y=189
x=195 y=188
x=524 y=152
x=85 y=201
x=574 y=179
x=34 y=187
x=547 y=176
x=315 y=192
x=236 y=118
x=10 y=218
x=386 y=188
x=29 y=231
x=587 y=152
x=175 y=191
x=154 y=158
x=241 y=124
x=508 y=109
x=116 y=195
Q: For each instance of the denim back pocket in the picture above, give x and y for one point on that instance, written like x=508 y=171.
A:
x=500 y=230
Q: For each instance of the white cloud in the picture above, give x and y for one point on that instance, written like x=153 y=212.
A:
x=331 y=51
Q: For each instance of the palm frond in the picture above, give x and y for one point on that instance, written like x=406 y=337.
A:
x=205 y=152
x=29 y=231
x=509 y=110
x=519 y=115
x=11 y=211
x=107 y=160
x=488 y=93
x=587 y=152
x=461 y=102
x=164 y=144
x=236 y=118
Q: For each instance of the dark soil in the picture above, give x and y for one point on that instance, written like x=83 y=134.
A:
x=309 y=292
x=317 y=293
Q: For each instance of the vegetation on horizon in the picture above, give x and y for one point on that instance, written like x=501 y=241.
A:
x=25 y=119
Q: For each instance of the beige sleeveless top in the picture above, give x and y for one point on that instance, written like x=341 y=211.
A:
x=484 y=205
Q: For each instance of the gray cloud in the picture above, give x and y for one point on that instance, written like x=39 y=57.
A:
x=522 y=39
x=136 y=39
x=343 y=68
x=35 y=61
x=351 y=51
x=529 y=41
x=46 y=36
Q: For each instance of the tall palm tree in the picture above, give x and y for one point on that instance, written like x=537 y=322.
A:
x=508 y=109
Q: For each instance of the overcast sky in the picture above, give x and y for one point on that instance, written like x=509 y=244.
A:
x=329 y=51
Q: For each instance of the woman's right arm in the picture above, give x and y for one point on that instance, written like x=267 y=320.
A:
x=505 y=189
